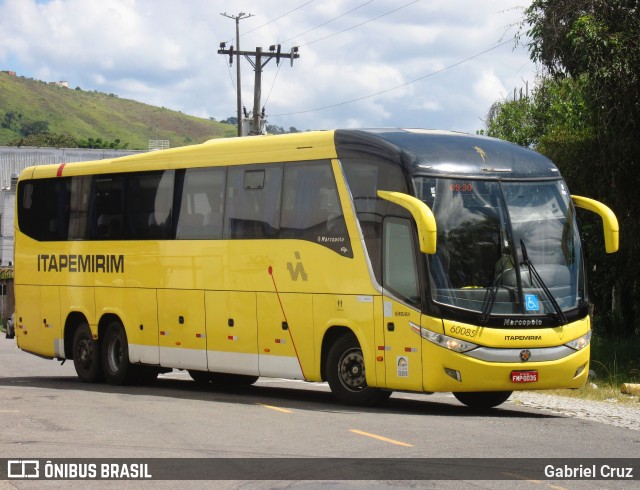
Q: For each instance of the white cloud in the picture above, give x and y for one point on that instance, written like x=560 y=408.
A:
x=488 y=88
x=164 y=52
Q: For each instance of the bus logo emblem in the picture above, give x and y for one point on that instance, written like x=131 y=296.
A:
x=481 y=152
x=525 y=355
x=299 y=269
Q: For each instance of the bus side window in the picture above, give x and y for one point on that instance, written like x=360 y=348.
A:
x=43 y=211
x=365 y=178
x=252 y=206
x=78 y=209
x=108 y=199
x=399 y=264
x=202 y=204
x=311 y=207
x=148 y=207
x=307 y=198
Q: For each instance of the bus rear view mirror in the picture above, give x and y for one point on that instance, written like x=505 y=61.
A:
x=609 y=221
x=425 y=221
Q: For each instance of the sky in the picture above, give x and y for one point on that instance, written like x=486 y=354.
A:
x=437 y=64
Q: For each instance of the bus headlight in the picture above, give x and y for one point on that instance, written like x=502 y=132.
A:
x=581 y=342
x=447 y=342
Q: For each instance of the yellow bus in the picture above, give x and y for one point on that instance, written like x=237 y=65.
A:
x=375 y=260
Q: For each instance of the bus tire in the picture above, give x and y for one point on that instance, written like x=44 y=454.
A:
x=86 y=355
x=483 y=399
x=146 y=375
x=346 y=374
x=115 y=356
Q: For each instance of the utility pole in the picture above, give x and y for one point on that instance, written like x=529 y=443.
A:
x=237 y=18
x=261 y=59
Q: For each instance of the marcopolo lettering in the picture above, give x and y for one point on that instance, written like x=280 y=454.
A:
x=510 y=322
x=109 y=263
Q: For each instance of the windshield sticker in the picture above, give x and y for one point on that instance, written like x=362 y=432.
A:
x=531 y=302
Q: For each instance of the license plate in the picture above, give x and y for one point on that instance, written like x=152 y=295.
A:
x=524 y=376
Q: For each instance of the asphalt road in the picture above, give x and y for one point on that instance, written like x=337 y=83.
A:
x=46 y=412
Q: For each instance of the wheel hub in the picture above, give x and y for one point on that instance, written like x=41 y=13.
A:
x=352 y=373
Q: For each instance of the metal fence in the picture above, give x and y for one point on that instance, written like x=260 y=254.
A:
x=14 y=160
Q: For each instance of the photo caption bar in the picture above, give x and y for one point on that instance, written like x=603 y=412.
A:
x=321 y=469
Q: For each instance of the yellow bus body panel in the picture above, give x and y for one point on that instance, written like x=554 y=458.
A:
x=257 y=307
x=479 y=375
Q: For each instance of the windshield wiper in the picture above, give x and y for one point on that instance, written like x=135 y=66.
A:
x=492 y=293
x=534 y=273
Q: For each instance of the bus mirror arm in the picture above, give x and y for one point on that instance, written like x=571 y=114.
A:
x=425 y=221
x=609 y=221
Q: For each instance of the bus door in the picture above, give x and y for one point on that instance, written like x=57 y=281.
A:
x=401 y=306
x=182 y=329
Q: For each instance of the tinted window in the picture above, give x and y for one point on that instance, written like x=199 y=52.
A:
x=365 y=179
x=400 y=260
x=108 y=217
x=202 y=204
x=253 y=202
x=43 y=208
x=149 y=202
x=311 y=207
x=79 y=207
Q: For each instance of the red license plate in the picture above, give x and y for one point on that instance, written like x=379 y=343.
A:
x=524 y=376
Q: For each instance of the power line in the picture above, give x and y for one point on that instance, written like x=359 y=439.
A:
x=279 y=17
x=327 y=22
x=361 y=24
x=306 y=32
x=272 y=85
x=398 y=86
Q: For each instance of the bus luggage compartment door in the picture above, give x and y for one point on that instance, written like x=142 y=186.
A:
x=232 y=332
x=38 y=323
x=181 y=329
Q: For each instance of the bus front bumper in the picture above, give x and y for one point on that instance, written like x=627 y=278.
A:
x=447 y=371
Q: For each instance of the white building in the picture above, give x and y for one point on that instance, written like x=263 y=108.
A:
x=13 y=161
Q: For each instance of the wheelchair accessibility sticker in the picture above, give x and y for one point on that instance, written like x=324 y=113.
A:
x=531 y=302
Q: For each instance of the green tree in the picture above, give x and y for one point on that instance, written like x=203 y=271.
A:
x=593 y=47
x=34 y=127
x=11 y=120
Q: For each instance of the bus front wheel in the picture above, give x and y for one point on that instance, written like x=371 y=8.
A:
x=483 y=399
x=346 y=374
x=115 y=356
x=86 y=355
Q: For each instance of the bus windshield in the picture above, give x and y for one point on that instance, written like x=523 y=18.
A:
x=504 y=249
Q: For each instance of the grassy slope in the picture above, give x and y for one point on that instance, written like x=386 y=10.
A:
x=96 y=115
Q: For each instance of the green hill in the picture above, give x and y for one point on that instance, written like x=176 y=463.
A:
x=85 y=115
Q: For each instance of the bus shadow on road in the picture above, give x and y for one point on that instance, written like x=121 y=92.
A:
x=314 y=398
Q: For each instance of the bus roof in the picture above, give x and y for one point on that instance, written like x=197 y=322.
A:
x=418 y=151
x=445 y=153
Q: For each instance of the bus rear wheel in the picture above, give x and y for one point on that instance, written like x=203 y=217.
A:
x=346 y=374
x=86 y=355
x=483 y=399
x=115 y=356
